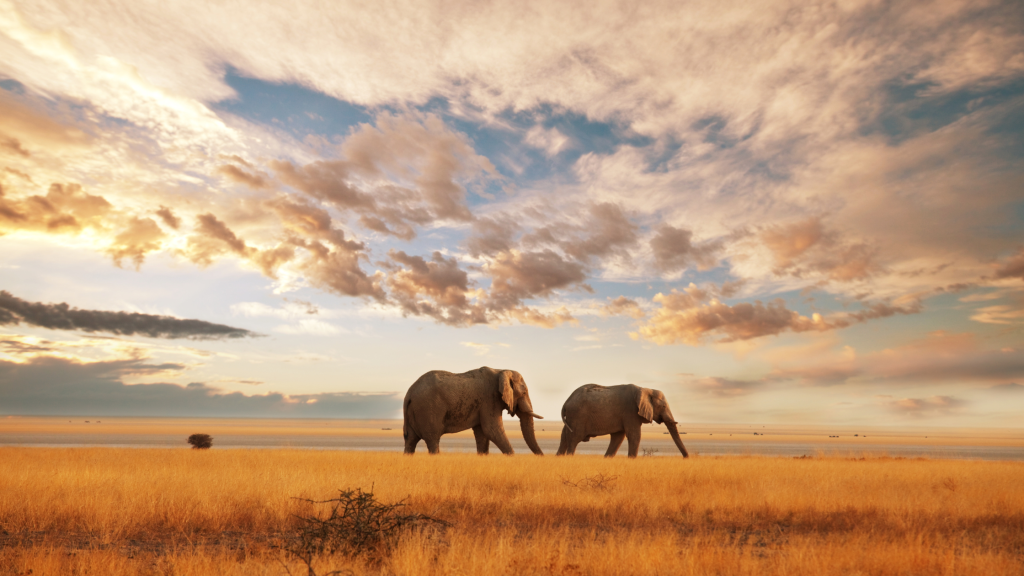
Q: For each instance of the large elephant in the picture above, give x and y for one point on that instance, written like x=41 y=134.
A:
x=440 y=402
x=595 y=410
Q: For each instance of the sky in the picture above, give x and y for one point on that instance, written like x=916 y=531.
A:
x=786 y=212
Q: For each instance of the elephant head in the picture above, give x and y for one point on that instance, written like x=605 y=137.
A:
x=516 y=398
x=652 y=406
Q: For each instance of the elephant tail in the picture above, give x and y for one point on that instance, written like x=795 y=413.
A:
x=405 y=419
x=563 y=420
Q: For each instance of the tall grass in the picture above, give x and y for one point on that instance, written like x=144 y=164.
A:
x=222 y=511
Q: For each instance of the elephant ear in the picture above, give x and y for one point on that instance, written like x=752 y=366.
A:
x=643 y=404
x=505 y=389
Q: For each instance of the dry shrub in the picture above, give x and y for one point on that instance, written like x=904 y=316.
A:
x=200 y=441
x=357 y=525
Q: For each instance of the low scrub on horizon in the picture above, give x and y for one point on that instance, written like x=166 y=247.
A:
x=164 y=511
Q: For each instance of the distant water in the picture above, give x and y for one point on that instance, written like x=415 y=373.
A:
x=657 y=446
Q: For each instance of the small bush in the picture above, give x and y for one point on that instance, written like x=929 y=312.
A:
x=595 y=482
x=357 y=525
x=200 y=441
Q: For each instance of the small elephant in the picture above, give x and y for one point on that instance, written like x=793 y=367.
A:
x=440 y=402
x=595 y=410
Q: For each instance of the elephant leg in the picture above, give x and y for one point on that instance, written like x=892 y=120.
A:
x=613 y=446
x=483 y=445
x=563 y=445
x=633 y=438
x=411 y=441
x=495 y=432
x=433 y=444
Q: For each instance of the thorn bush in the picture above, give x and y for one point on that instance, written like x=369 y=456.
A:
x=200 y=441
x=357 y=525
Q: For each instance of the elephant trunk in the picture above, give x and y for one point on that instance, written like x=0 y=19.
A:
x=526 y=425
x=674 y=431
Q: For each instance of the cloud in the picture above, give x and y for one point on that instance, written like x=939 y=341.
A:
x=310 y=326
x=66 y=208
x=483 y=349
x=693 y=316
x=142 y=236
x=939 y=358
x=727 y=387
x=168 y=217
x=1013 y=267
x=805 y=247
x=516 y=276
x=437 y=288
x=255 y=180
x=24 y=129
x=623 y=306
x=1001 y=314
x=401 y=174
x=14 y=310
x=290 y=310
x=48 y=385
x=674 y=250
x=604 y=231
x=1008 y=387
x=550 y=140
x=492 y=235
x=935 y=405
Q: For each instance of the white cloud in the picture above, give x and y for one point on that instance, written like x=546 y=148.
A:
x=550 y=140
x=310 y=326
x=483 y=349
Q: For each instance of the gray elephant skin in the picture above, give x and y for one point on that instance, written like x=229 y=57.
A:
x=595 y=410
x=441 y=402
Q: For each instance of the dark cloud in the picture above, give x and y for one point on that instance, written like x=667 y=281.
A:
x=49 y=385
x=674 y=250
x=1013 y=267
x=1008 y=387
x=14 y=310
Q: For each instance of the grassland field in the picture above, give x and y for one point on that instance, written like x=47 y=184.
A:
x=134 y=511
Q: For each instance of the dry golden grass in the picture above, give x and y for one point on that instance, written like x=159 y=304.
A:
x=181 y=511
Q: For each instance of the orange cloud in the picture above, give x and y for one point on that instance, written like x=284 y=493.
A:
x=693 y=316
x=623 y=306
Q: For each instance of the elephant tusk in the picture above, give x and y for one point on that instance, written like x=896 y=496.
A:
x=534 y=414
